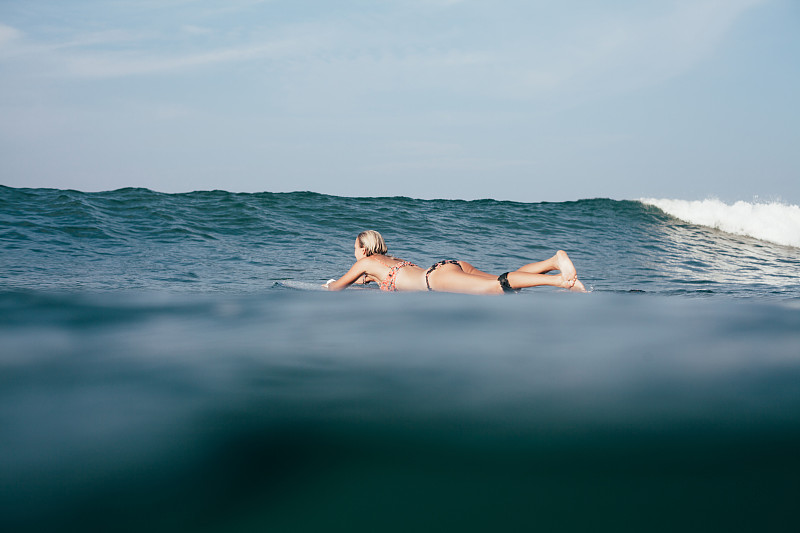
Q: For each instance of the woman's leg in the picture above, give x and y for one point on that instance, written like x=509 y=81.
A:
x=451 y=278
x=520 y=280
x=471 y=280
x=538 y=267
x=560 y=262
x=469 y=269
x=548 y=265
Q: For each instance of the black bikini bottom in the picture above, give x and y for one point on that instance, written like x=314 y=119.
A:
x=505 y=285
x=437 y=265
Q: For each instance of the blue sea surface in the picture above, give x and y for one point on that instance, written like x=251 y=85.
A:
x=159 y=372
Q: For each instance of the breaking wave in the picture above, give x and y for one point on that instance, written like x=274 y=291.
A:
x=774 y=222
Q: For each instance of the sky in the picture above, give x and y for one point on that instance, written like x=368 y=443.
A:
x=523 y=100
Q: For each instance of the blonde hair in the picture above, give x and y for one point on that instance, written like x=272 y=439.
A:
x=372 y=242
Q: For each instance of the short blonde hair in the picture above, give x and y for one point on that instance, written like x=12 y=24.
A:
x=372 y=242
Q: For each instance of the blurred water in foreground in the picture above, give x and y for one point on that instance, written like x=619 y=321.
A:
x=289 y=410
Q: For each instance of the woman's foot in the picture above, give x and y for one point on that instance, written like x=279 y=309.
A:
x=578 y=286
x=569 y=275
x=565 y=266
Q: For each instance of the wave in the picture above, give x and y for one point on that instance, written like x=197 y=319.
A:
x=773 y=222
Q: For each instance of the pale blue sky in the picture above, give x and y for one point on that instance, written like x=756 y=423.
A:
x=523 y=100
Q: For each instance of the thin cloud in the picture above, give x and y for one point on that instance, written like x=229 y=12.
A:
x=115 y=65
x=616 y=52
x=619 y=52
x=664 y=46
x=8 y=34
x=367 y=53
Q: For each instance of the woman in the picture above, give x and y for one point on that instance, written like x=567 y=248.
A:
x=393 y=274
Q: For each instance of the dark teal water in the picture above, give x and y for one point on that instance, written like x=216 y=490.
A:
x=157 y=374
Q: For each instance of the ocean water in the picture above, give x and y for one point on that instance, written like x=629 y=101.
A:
x=160 y=370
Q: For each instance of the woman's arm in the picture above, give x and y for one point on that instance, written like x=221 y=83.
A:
x=358 y=269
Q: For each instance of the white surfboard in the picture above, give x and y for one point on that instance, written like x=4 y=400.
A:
x=301 y=285
x=317 y=286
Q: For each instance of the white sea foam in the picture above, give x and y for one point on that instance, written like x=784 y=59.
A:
x=774 y=222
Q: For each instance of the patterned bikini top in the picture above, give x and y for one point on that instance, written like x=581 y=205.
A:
x=388 y=283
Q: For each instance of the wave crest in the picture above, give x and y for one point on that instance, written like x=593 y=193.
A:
x=774 y=222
